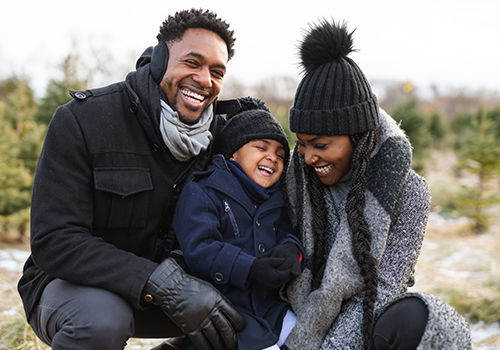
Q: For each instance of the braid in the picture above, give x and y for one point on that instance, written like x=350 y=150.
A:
x=361 y=236
x=319 y=224
x=298 y=223
x=319 y=212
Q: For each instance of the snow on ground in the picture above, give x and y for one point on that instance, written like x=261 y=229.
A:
x=12 y=260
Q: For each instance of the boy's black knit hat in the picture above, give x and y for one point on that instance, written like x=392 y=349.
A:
x=254 y=122
x=334 y=97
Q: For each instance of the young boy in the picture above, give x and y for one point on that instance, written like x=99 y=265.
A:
x=232 y=225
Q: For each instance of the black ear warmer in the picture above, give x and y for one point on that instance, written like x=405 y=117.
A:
x=229 y=107
x=159 y=60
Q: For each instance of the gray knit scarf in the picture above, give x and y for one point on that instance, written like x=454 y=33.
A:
x=317 y=309
x=185 y=140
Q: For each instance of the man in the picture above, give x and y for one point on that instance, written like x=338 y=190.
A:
x=113 y=163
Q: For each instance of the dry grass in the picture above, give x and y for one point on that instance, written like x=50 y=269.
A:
x=15 y=334
x=463 y=269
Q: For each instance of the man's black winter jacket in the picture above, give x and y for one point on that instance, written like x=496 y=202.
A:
x=104 y=192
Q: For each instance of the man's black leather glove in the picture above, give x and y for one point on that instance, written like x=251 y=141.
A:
x=269 y=271
x=198 y=309
x=292 y=255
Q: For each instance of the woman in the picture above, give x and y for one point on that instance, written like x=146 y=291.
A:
x=361 y=213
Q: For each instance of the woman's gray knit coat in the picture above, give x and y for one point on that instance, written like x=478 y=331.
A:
x=397 y=208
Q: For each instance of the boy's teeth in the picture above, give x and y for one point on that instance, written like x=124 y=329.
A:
x=192 y=94
x=269 y=170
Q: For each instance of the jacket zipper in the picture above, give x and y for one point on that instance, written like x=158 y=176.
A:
x=228 y=210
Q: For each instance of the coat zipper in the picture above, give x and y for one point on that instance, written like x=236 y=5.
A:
x=228 y=210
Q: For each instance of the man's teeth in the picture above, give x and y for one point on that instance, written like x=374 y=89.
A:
x=266 y=169
x=323 y=169
x=192 y=94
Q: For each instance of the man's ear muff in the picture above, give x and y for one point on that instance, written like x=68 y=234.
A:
x=159 y=61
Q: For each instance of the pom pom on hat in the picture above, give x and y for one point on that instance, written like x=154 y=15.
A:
x=325 y=43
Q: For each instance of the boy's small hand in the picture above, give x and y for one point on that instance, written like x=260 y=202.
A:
x=269 y=271
x=277 y=266
x=291 y=253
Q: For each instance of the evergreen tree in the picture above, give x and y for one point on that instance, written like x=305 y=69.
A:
x=437 y=129
x=415 y=123
x=479 y=155
x=20 y=142
x=56 y=93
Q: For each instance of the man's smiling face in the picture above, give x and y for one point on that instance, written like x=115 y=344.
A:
x=195 y=70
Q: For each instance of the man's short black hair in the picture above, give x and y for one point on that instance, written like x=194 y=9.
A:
x=173 y=27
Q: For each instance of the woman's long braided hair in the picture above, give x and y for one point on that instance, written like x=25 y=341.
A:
x=364 y=145
x=361 y=236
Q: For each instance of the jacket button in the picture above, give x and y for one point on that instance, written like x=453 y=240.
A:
x=133 y=107
x=262 y=248
x=156 y=148
x=80 y=95
x=218 y=277
x=257 y=223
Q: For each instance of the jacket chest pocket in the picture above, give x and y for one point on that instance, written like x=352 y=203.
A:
x=122 y=197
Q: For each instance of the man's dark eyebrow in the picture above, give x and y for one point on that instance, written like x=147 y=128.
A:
x=202 y=57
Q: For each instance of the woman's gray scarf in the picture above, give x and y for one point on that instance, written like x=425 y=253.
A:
x=185 y=140
x=317 y=309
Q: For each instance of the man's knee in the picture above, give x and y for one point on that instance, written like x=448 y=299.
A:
x=103 y=332
x=69 y=316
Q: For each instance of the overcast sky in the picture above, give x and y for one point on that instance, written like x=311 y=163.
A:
x=450 y=43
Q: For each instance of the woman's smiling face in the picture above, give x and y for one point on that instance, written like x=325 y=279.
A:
x=330 y=156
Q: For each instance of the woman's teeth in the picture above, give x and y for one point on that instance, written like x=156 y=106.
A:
x=324 y=169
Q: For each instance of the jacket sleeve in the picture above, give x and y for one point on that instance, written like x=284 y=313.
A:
x=396 y=268
x=62 y=243
x=285 y=235
x=197 y=227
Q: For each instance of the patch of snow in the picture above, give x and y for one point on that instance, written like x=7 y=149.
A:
x=13 y=259
x=10 y=312
x=430 y=245
x=437 y=218
x=460 y=274
x=481 y=331
x=466 y=254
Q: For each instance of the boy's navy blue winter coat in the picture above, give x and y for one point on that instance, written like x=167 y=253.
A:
x=221 y=232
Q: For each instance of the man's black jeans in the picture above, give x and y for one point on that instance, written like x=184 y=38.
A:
x=70 y=316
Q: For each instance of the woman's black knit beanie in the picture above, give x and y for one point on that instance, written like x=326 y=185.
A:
x=254 y=122
x=334 y=97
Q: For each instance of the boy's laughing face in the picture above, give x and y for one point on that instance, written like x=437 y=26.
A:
x=262 y=160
